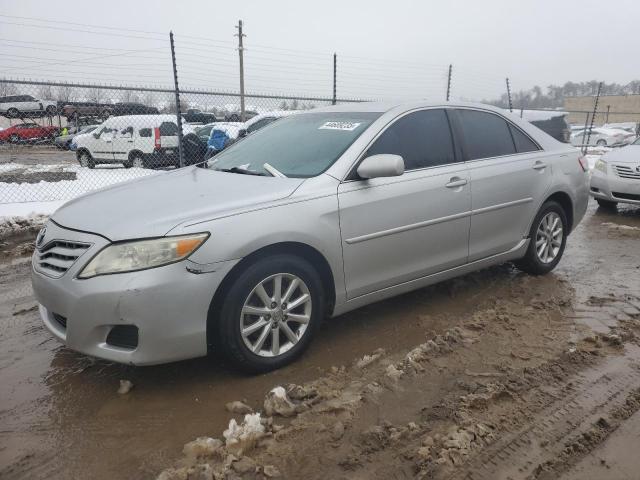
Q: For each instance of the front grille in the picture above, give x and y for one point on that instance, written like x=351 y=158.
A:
x=57 y=256
x=60 y=320
x=626 y=196
x=625 y=171
x=123 y=336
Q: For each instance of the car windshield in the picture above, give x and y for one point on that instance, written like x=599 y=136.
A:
x=299 y=146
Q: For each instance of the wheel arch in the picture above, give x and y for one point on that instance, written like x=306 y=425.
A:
x=565 y=202
x=302 y=250
x=134 y=152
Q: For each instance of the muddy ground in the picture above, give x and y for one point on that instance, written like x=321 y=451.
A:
x=493 y=375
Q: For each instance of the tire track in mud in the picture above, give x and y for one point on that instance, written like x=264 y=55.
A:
x=584 y=402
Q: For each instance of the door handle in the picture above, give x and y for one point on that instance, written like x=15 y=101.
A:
x=456 y=182
x=130 y=141
x=539 y=165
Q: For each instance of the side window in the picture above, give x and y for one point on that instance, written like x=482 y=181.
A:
x=422 y=139
x=523 y=143
x=168 y=129
x=485 y=134
x=144 y=132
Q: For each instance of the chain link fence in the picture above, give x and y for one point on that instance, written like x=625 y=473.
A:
x=60 y=140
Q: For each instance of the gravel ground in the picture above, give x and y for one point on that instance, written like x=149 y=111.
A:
x=493 y=375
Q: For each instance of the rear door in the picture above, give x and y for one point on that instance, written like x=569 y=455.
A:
x=398 y=229
x=509 y=173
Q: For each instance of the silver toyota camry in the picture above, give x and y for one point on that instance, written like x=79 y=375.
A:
x=616 y=177
x=315 y=215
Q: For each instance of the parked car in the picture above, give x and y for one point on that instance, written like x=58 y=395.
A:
x=319 y=214
x=553 y=123
x=74 y=110
x=232 y=112
x=142 y=141
x=204 y=131
x=616 y=177
x=194 y=115
x=263 y=119
x=602 y=137
x=222 y=135
x=25 y=132
x=15 y=106
x=64 y=141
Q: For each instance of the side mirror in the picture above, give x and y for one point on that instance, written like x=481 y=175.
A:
x=383 y=165
x=242 y=133
x=96 y=136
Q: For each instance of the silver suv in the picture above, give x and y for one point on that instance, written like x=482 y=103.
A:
x=312 y=216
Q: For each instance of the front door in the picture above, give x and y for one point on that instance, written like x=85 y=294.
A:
x=402 y=228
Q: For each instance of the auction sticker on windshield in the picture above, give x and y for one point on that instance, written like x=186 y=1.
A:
x=349 y=126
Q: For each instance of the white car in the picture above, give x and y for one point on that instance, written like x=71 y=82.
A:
x=142 y=141
x=616 y=177
x=602 y=137
x=15 y=106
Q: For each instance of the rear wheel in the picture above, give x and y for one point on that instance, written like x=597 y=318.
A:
x=547 y=240
x=86 y=160
x=270 y=313
x=12 y=113
x=14 y=138
x=51 y=110
x=135 y=160
x=601 y=143
x=607 y=204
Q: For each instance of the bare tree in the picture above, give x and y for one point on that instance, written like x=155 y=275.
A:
x=129 y=96
x=66 y=93
x=45 y=92
x=95 y=94
x=7 y=89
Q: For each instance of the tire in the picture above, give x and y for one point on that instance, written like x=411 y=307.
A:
x=51 y=110
x=537 y=263
x=86 y=160
x=136 y=160
x=607 y=204
x=234 y=117
x=14 y=138
x=13 y=113
x=601 y=143
x=226 y=322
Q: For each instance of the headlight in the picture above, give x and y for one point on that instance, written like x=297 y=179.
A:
x=142 y=254
x=601 y=165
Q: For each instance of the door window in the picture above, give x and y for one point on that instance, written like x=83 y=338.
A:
x=485 y=134
x=423 y=139
x=523 y=143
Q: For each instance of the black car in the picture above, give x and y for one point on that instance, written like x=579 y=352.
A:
x=131 y=108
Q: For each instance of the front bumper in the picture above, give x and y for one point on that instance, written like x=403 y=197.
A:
x=168 y=305
x=609 y=186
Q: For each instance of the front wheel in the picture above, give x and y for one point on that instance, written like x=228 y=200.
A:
x=601 y=143
x=269 y=313
x=607 y=204
x=12 y=113
x=51 y=110
x=86 y=160
x=547 y=240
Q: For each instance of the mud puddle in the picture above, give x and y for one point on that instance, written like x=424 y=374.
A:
x=61 y=416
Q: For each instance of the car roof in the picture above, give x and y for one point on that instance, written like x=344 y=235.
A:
x=401 y=105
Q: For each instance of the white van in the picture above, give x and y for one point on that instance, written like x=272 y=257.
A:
x=142 y=141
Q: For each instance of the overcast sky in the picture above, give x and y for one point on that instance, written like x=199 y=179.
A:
x=385 y=49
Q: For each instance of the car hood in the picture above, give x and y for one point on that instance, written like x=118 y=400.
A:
x=153 y=205
x=628 y=154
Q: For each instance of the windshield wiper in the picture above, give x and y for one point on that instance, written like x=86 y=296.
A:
x=242 y=171
x=273 y=171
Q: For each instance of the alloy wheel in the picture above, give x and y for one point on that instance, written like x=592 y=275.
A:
x=275 y=315
x=549 y=237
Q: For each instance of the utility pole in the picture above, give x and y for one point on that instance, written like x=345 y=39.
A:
x=449 y=81
x=509 y=95
x=177 y=92
x=240 y=35
x=335 y=61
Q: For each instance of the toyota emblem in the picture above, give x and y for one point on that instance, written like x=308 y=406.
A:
x=40 y=237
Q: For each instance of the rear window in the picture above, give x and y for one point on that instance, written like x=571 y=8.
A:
x=485 y=134
x=168 y=129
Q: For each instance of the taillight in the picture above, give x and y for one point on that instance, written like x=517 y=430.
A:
x=583 y=163
x=156 y=136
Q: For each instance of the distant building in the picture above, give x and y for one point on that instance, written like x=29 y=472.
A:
x=611 y=109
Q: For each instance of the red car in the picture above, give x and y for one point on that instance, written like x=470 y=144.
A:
x=27 y=131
